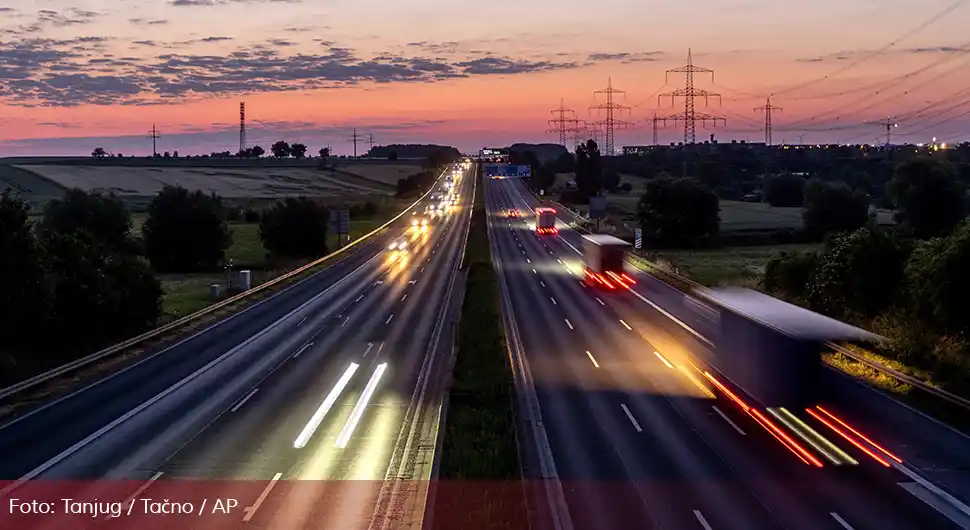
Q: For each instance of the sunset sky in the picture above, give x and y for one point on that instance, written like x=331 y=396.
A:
x=88 y=73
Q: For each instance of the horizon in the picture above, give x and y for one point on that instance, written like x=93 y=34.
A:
x=79 y=77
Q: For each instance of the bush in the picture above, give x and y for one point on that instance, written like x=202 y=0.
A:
x=784 y=190
x=939 y=288
x=186 y=231
x=833 y=208
x=788 y=274
x=104 y=217
x=295 y=228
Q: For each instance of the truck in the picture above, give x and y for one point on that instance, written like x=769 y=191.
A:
x=605 y=256
x=546 y=221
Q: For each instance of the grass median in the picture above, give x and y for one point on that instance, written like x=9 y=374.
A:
x=479 y=450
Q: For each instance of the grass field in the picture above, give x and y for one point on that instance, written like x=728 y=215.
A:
x=740 y=266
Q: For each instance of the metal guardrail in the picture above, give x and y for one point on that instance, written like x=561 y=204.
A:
x=650 y=266
x=157 y=332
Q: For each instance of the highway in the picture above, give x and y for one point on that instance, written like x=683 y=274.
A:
x=334 y=384
x=638 y=438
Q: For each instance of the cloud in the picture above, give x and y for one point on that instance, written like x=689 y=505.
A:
x=208 y=3
x=48 y=18
x=71 y=72
x=627 y=57
x=857 y=54
x=145 y=22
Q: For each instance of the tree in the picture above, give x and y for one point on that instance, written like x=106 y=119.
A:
x=99 y=153
x=324 y=152
x=298 y=150
x=186 y=231
x=295 y=228
x=789 y=274
x=589 y=170
x=281 y=149
x=929 y=196
x=678 y=212
x=23 y=275
x=104 y=217
x=937 y=283
x=859 y=274
x=98 y=295
x=392 y=155
x=784 y=190
x=611 y=180
x=833 y=208
x=258 y=151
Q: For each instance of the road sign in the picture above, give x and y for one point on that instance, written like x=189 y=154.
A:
x=597 y=207
x=638 y=243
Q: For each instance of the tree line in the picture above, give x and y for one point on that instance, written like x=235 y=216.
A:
x=79 y=277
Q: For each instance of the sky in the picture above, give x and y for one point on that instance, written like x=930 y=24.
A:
x=80 y=74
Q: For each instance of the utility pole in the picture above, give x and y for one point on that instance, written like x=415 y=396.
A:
x=242 y=128
x=154 y=137
x=564 y=122
x=354 y=139
x=611 y=108
x=889 y=124
x=768 y=108
x=690 y=116
x=370 y=140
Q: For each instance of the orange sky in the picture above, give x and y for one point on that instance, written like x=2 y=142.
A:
x=427 y=71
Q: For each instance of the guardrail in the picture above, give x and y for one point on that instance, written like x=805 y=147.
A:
x=687 y=286
x=157 y=332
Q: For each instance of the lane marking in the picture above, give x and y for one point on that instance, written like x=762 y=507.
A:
x=570 y=324
x=403 y=298
x=553 y=301
x=627 y=326
x=369 y=346
x=422 y=269
x=583 y=284
x=841 y=521
x=542 y=283
x=302 y=349
x=344 y=437
x=731 y=423
x=130 y=501
x=251 y=510
x=560 y=261
x=359 y=298
x=534 y=271
x=664 y=360
x=700 y=519
x=243 y=401
x=528 y=260
x=300 y=323
x=344 y=323
x=388 y=321
x=600 y=301
x=591 y=359
x=324 y=408
x=631 y=418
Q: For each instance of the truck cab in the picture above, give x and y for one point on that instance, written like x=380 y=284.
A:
x=605 y=257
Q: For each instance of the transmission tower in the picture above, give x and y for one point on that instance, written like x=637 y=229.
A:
x=564 y=123
x=242 y=127
x=889 y=124
x=154 y=137
x=353 y=138
x=690 y=116
x=610 y=124
x=768 y=109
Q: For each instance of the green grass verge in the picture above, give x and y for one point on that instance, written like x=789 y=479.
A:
x=479 y=443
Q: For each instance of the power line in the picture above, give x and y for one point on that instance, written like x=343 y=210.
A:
x=610 y=124
x=768 y=109
x=353 y=138
x=154 y=136
x=564 y=122
x=690 y=116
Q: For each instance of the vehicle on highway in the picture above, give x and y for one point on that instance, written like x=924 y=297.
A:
x=546 y=221
x=420 y=221
x=398 y=245
x=605 y=256
x=512 y=213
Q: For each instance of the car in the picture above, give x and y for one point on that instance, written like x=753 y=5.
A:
x=398 y=245
x=513 y=212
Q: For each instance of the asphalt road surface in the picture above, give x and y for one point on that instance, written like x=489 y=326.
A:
x=328 y=383
x=638 y=438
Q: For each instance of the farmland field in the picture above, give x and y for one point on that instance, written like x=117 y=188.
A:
x=739 y=266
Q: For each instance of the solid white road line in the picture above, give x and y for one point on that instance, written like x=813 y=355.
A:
x=731 y=423
x=600 y=301
x=570 y=324
x=251 y=510
x=841 y=521
x=627 y=326
x=700 y=519
x=631 y=418
x=388 y=321
x=591 y=359
x=243 y=401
